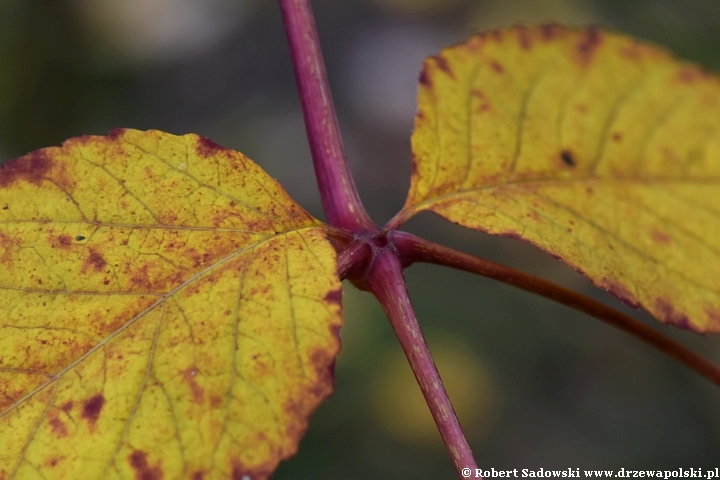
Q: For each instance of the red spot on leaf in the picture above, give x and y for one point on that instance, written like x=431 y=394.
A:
x=199 y=475
x=58 y=427
x=67 y=406
x=424 y=79
x=692 y=74
x=95 y=261
x=334 y=297
x=443 y=65
x=32 y=168
x=189 y=377
x=617 y=136
x=497 y=67
x=143 y=471
x=568 y=159
x=207 y=148
x=660 y=237
x=588 y=44
x=667 y=314
x=524 y=37
x=116 y=133
x=93 y=407
x=550 y=31
x=62 y=242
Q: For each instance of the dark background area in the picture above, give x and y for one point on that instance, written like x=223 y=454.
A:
x=535 y=384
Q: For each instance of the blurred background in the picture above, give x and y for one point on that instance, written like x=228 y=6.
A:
x=535 y=384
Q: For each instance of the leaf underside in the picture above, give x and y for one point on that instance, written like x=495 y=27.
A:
x=167 y=312
x=602 y=150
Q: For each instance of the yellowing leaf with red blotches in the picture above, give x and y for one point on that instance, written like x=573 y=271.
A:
x=602 y=150
x=166 y=311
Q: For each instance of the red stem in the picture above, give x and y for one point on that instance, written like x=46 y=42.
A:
x=385 y=280
x=414 y=249
x=340 y=199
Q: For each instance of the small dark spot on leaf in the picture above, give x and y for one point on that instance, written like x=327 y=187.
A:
x=660 y=236
x=199 y=475
x=5 y=207
x=80 y=238
x=115 y=133
x=617 y=136
x=92 y=408
x=567 y=158
x=497 y=67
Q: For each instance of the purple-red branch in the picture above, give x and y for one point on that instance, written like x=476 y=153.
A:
x=385 y=280
x=372 y=263
x=374 y=258
x=414 y=249
x=339 y=196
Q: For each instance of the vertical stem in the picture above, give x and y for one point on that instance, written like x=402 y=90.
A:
x=385 y=280
x=340 y=199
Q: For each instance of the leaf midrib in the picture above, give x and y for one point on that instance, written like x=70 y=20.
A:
x=159 y=301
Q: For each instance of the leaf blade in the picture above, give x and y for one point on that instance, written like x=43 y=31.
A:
x=548 y=134
x=183 y=295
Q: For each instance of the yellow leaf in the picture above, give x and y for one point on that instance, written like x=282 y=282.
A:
x=167 y=312
x=601 y=150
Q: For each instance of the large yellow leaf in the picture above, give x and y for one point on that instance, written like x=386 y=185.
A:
x=602 y=150
x=167 y=312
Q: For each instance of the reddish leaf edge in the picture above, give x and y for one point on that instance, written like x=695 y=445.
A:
x=412 y=249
